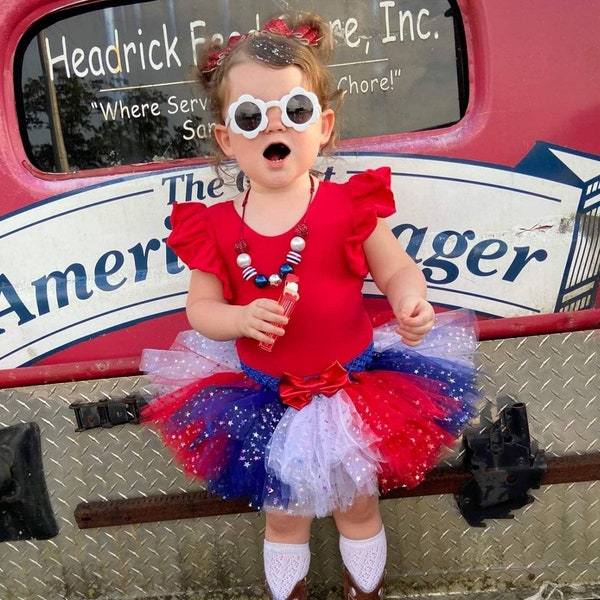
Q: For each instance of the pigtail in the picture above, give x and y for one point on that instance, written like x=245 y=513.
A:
x=322 y=45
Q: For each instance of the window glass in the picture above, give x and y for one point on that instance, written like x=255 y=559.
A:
x=115 y=85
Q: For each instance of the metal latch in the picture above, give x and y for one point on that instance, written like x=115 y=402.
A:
x=505 y=464
x=108 y=412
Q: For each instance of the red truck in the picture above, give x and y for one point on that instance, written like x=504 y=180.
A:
x=493 y=144
x=488 y=114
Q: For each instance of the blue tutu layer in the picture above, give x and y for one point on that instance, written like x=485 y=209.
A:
x=243 y=442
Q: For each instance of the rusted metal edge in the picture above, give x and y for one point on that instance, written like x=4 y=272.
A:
x=167 y=507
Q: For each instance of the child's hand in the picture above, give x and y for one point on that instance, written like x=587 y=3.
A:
x=415 y=318
x=261 y=316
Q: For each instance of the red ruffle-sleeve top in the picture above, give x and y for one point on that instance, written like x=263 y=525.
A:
x=329 y=322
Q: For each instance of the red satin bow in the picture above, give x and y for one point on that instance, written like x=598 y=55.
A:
x=297 y=392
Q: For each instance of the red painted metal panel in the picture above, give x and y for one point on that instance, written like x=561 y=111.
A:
x=533 y=77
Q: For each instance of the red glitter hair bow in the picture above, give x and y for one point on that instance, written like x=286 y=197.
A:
x=305 y=34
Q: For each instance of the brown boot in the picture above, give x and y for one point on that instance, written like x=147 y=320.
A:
x=298 y=593
x=353 y=592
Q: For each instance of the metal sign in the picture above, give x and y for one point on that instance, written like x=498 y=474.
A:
x=502 y=242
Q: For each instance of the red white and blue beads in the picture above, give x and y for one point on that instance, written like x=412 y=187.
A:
x=292 y=259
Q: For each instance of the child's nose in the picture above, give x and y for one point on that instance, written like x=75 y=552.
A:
x=274 y=119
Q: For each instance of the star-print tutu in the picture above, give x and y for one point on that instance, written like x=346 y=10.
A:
x=310 y=446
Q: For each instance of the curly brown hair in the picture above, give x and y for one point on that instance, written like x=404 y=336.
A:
x=282 y=50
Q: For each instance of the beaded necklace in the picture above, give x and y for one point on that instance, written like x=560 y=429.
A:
x=292 y=258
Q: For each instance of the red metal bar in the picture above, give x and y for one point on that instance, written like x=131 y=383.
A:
x=539 y=324
x=123 y=367
x=80 y=371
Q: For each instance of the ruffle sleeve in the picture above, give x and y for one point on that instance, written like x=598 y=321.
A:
x=372 y=198
x=192 y=240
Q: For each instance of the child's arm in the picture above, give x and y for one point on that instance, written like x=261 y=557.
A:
x=400 y=279
x=210 y=314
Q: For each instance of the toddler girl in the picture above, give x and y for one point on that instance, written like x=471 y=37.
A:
x=283 y=394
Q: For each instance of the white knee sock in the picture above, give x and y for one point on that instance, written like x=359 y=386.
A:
x=365 y=559
x=285 y=566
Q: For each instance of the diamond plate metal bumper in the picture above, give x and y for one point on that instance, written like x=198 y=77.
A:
x=431 y=548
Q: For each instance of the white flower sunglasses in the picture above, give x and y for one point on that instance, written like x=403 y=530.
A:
x=248 y=115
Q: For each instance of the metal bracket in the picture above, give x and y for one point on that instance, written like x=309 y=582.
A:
x=25 y=508
x=108 y=413
x=505 y=464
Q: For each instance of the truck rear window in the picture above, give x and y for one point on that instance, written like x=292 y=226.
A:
x=115 y=86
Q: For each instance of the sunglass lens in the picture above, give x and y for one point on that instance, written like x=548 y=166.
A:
x=299 y=109
x=248 y=116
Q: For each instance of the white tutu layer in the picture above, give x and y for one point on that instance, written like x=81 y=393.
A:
x=325 y=454
x=453 y=337
x=191 y=357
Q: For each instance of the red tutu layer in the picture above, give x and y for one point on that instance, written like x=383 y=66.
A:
x=384 y=427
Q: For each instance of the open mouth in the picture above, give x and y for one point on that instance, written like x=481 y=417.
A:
x=276 y=152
